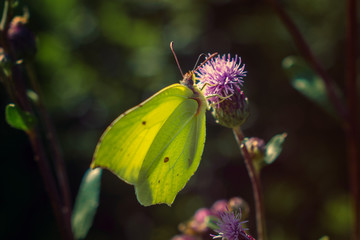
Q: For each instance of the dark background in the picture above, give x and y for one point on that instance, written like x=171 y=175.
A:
x=96 y=59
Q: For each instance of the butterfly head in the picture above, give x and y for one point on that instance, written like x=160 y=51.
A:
x=188 y=79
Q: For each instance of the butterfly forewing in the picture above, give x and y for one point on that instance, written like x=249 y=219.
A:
x=125 y=143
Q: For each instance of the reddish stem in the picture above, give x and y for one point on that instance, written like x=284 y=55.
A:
x=256 y=185
x=59 y=163
x=50 y=186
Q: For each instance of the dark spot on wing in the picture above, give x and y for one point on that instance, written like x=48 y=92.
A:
x=159 y=181
x=166 y=159
x=143 y=122
x=177 y=175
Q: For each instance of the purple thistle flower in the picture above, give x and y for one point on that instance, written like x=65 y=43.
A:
x=222 y=76
x=230 y=227
x=221 y=79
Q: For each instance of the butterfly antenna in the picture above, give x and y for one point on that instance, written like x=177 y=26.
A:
x=177 y=62
x=198 y=59
x=206 y=60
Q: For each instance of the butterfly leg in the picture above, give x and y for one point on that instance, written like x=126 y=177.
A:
x=219 y=96
x=207 y=84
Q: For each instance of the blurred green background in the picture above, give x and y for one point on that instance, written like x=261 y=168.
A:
x=97 y=59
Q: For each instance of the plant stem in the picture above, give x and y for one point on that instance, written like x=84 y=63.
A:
x=351 y=128
x=305 y=50
x=5 y=17
x=50 y=133
x=256 y=185
x=64 y=224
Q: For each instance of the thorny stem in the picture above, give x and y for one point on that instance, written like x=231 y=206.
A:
x=351 y=128
x=256 y=185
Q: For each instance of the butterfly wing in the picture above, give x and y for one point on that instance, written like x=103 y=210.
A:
x=132 y=146
x=173 y=157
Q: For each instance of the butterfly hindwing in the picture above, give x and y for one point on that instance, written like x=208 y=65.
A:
x=174 y=155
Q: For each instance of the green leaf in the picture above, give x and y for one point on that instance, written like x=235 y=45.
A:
x=86 y=203
x=274 y=147
x=18 y=118
x=304 y=80
x=324 y=238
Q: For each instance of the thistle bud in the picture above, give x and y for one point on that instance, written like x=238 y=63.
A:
x=256 y=148
x=239 y=205
x=219 y=207
x=22 y=40
x=221 y=81
x=201 y=215
x=231 y=112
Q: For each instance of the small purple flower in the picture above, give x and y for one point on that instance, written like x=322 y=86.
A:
x=223 y=76
x=230 y=227
x=221 y=79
